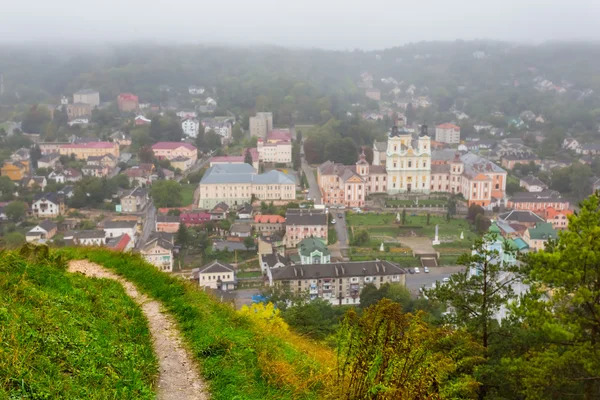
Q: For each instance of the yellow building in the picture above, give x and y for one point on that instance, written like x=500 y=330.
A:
x=84 y=150
x=15 y=170
x=408 y=161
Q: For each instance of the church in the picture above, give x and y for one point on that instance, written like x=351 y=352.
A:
x=406 y=164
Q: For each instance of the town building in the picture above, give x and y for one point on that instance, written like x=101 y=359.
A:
x=15 y=170
x=121 y=138
x=114 y=229
x=49 y=161
x=237 y=159
x=34 y=182
x=194 y=218
x=301 y=224
x=521 y=217
x=537 y=201
x=447 y=133
x=236 y=184
x=135 y=200
x=47 y=205
x=268 y=224
x=339 y=283
x=373 y=93
x=558 y=218
x=78 y=111
x=97 y=171
x=532 y=184
x=87 y=96
x=190 y=127
x=140 y=120
x=538 y=236
x=86 y=238
x=158 y=251
x=167 y=223
x=120 y=243
x=84 y=150
x=216 y=275
x=195 y=90
x=183 y=163
x=22 y=154
x=313 y=251
x=128 y=102
x=240 y=229
x=510 y=160
x=219 y=212
x=42 y=232
x=261 y=124
x=171 y=150
x=220 y=127
x=279 y=152
x=408 y=161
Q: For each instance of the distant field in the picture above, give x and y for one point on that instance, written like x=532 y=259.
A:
x=187 y=193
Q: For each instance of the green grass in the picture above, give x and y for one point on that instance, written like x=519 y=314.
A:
x=66 y=336
x=238 y=360
x=248 y=274
x=411 y=203
x=332 y=237
x=187 y=193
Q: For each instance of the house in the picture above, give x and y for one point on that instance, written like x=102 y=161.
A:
x=271 y=259
x=245 y=211
x=279 y=151
x=484 y=127
x=558 y=218
x=88 y=238
x=42 y=232
x=158 y=251
x=447 y=133
x=97 y=171
x=216 y=275
x=182 y=163
x=128 y=102
x=538 y=236
x=15 y=170
x=120 y=243
x=313 y=251
x=49 y=161
x=237 y=159
x=135 y=201
x=510 y=160
x=236 y=184
x=219 y=211
x=67 y=192
x=79 y=121
x=187 y=114
x=190 y=127
x=571 y=144
x=77 y=111
x=532 y=184
x=35 y=181
x=240 y=229
x=220 y=127
x=121 y=138
x=268 y=224
x=138 y=176
x=87 y=96
x=140 y=120
x=72 y=175
x=167 y=223
x=47 y=205
x=497 y=132
x=194 y=218
x=84 y=150
x=107 y=160
x=537 y=201
x=196 y=90
x=338 y=283
x=373 y=93
x=588 y=149
x=22 y=154
x=113 y=229
x=302 y=224
x=171 y=150
x=521 y=217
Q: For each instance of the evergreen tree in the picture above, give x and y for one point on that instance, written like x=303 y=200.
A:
x=248 y=157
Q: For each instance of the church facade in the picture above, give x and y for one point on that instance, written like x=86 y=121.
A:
x=408 y=161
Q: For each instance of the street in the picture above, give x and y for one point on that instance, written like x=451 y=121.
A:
x=148 y=227
x=340 y=227
x=313 y=188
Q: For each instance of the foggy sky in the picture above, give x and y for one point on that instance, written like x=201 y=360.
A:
x=332 y=24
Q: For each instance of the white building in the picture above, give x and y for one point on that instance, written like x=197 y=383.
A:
x=190 y=127
x=447 y=133
x=47 y=205
x=87 y=96
x=261 y=124
x=113 y=229
x=195 y=90
x=216 y=275
x=277 y=152
x=187 y=114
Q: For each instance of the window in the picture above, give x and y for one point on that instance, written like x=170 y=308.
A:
x=410 y=164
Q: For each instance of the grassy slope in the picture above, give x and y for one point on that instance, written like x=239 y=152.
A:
x=239 y=360
x=67 y=336
x=187 y=194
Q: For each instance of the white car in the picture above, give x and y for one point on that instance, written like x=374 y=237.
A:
x=333 y=221
x=417 y=270
x=426 y=270
x=446 y=280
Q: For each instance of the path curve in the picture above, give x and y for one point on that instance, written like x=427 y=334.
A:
x=178 y=377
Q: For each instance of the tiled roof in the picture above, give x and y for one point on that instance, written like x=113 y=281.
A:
x=172 y=146
x=305 y=217
x=337 y=270
x=540 y=197
x=120 y=225
x=215 y=267
x=269 y=219
x=309 y=245
x=475 y=165
x=520 y=216
x=449 y=126
x=47 y=225
x=542 y=231
x=167 y=219
x=89 y=145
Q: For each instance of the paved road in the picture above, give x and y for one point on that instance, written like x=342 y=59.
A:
x=148 y=226
x=340 y=228
x=415 y=281
x=313 y=188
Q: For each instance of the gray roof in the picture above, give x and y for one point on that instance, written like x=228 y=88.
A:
x=520 y=216
x=305 y=217
x=443 y=155
x=244 y=173
x=275 y=258
x=89 y=234
x=51 y=197
x=138 y=192
x=475 y=165
x=240 y=227
x=49 y=157
x=532 y=180
x=47 y=225
x=158 y=241
x=337 y=270
x=532 y=197
x=120 y=225
x=215 y=267
x=167 y=218
x=520 y=155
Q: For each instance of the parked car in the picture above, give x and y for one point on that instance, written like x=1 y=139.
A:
x=446 y=279
x=411 y=271
x=333 y=221
x=417 y=270
x=426 y=270
x=340 y=215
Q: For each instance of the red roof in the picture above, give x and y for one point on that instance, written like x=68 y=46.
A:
x=128 y=97
x=269 y=219
x=194 y=218
x=123 y=242
x=449 y=126
x=551 y=212
x=280 y=134
x=89 y=145
x=172 y=146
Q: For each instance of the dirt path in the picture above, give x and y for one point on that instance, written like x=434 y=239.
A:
x=178 y=374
